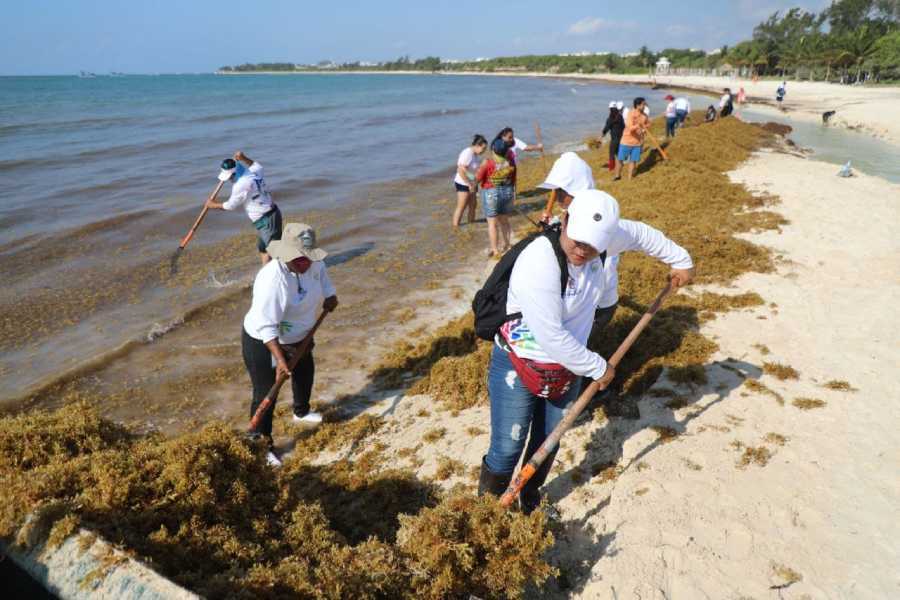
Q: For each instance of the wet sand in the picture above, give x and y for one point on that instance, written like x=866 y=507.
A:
x=392 y=280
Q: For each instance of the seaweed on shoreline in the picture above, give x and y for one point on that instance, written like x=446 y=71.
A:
x=692 y=200
x=204 y=509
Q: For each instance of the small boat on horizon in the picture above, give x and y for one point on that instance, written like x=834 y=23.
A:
x=86 y=75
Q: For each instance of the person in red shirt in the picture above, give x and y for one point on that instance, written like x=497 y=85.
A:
x=497 y=178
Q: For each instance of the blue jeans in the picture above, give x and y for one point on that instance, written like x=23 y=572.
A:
x=670 y=126
x=680 y=115
x=497 y=200
x=516 y=413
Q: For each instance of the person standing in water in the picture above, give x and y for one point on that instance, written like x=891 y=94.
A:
x=615 y=126
x=249 y=190
x=466 y=166
x=497 y=178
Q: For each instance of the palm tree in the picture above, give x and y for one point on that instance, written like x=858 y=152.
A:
x=858 y=45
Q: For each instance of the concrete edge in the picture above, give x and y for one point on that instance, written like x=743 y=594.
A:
x=85 y=567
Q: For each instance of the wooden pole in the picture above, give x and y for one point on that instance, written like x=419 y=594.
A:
x=270 y=398
x=529 y=469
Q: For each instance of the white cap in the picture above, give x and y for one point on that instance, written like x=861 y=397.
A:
x=570 y=173
x=620 y=105
x=612 y=104
x=593 y=219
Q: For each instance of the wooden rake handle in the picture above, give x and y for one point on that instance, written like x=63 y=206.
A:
x=270 y=398
x=537 y=459
x=658 y=147
x=190 y=234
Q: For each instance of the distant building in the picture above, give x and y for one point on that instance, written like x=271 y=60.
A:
x=663 y=65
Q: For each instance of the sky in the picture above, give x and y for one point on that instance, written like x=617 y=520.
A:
x=44 y=37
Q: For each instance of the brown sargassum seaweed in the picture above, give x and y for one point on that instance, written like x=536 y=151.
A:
x=204 y=509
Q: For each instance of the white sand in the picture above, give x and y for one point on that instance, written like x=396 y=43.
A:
x=684 y=519
x=872 y=109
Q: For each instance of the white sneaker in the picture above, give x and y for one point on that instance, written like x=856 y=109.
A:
x=273 y=460
x=310 y=418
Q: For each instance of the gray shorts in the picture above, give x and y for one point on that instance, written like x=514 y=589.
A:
x=268 y=228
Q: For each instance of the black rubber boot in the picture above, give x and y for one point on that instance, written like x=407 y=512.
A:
x=530 y=497
x=490 y=482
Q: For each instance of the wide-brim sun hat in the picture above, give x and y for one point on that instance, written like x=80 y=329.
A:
x=593 y=219
x=612 y=104
x=620 y=105
x=297 y=239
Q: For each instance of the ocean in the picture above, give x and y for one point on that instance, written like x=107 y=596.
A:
x=105 y=175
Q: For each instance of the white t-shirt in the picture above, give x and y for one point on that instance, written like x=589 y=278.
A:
x=555 y=328
x=286 y=305
x=724 y=100
x=518 y=146
x=470 y=161
x=682 y=104
x=670 y=109
x=250 y=191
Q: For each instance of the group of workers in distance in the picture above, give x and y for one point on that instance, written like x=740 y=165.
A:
x=560 y=287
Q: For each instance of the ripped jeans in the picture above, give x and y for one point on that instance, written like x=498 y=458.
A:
x=515 y=412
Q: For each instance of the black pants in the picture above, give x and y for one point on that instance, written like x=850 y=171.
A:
x=614 y=142
x=258 y=361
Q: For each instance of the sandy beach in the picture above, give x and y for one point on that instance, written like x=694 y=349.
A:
x=758 y=493
x=770 y=473
x=872 y=109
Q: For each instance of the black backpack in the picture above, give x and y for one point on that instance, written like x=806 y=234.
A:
x=489 y=304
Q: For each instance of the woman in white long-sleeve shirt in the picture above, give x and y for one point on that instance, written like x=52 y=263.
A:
x=287 y=295
x=250 y=191
x=538 y=356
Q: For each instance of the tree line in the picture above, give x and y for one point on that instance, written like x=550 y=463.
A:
x=850 y=41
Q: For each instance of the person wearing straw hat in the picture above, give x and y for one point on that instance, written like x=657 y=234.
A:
x=288 y=292
x=541 y=350
x=615 y=126
x=249 y=190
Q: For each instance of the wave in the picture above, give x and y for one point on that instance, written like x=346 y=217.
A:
x=427 y=114
x=95 y=154
x=43 y=126
x=295 y=110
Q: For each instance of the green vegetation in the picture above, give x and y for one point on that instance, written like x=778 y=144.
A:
x=850 y=41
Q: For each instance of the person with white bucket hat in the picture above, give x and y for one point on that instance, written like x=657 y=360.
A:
x=541 y=350
x=288 y=293
x=249 y=190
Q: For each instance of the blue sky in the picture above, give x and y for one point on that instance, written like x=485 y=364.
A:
x=137 y=36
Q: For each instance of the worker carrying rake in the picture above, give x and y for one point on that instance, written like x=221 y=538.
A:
x=287 y=295
x=539 y=306
x=249 y=190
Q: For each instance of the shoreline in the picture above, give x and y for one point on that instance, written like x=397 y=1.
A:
x=641 y=521
x=873 y=110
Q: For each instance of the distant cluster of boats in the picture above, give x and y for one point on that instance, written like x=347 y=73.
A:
x=89 y=75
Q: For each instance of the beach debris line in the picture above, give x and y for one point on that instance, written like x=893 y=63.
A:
x=531 y=467
x=204 y=509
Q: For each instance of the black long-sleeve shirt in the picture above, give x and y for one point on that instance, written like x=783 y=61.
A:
x=615 y=125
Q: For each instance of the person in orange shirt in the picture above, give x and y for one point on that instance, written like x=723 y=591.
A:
x=636 y=125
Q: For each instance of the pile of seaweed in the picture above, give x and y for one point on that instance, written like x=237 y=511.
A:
x=689 y=198
x=205 y=510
